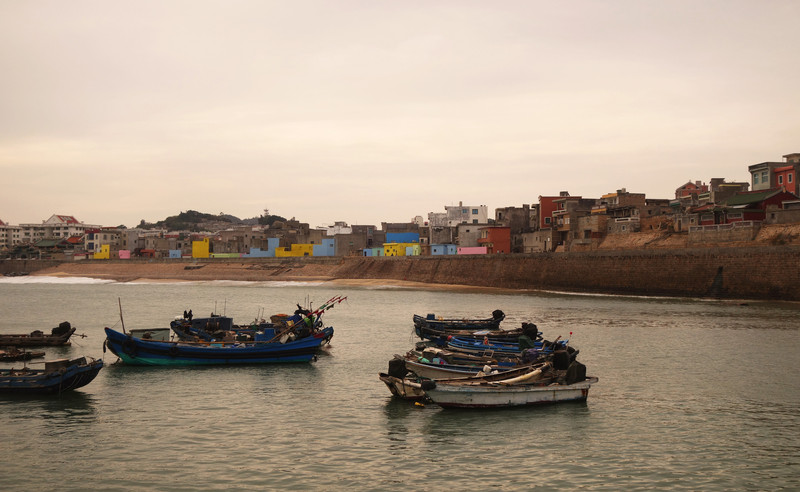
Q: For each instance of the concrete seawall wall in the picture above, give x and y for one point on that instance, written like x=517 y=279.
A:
x=768 y=272
x=750 y=273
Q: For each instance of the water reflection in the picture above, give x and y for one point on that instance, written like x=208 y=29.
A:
x=58 y=414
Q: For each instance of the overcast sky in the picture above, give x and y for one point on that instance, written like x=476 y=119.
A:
x=371 y=111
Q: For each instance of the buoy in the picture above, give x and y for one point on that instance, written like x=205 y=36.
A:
x=418 y=404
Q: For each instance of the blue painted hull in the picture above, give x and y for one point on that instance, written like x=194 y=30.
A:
x=39 y=381
x=145 y=352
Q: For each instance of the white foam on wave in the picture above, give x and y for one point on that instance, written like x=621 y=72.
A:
x=224 y=283
x=43 y=279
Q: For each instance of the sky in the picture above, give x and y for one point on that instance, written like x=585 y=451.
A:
x=370 y=112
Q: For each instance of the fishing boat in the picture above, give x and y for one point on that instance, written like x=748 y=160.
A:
x=286 y=347
x=16 y=355
x=498 y=335
x=56 y=377
x=412 y=387
x=403 y=388
x=59 y=335
x=432 y=352
x=497 y=394
x=438 y=369
x=482 y=347
x=431 y=321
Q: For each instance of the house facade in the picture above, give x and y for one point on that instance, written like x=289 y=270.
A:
x=768 y=175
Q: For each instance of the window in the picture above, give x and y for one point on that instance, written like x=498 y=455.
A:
x=789 y=177
x=764 y=177
x=547 y=220
x=780 y=179
x=755 y=178
x=474 y=211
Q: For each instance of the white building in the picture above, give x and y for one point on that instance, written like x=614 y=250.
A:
x=9 y=235
x=56 y=227
x=339 y=227
x=467 y=214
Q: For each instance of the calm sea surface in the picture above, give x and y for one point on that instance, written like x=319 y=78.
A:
x=693 y=395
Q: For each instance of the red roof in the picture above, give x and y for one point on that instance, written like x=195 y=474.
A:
x=67 y=219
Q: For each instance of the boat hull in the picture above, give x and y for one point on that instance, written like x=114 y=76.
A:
x=136 y=351
x=439 y=324
x=36 y=340
x=67 y=378
x=500 y=396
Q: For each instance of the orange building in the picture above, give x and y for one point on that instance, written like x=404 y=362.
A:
x=495 y=239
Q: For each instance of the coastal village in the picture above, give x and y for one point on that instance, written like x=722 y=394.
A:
x=766 y=209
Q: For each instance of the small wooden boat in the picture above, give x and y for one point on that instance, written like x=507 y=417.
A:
x=138 y=351
x=56 y=377
x=403 y=388
x=439 y=370
x=477 y=394
x=542 y=384
x=58 y=336
x=431 y=321
x=16 y=355
x=412 y=387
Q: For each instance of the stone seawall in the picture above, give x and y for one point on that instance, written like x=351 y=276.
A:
x=768 y=272
x=747 y=273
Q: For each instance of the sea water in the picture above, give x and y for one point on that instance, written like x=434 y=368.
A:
x=693 y=395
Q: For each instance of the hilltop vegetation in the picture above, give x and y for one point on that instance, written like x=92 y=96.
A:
x=195 y=221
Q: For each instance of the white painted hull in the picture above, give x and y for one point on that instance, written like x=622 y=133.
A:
x=498 y=395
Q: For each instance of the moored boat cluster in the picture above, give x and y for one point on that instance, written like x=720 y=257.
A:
x=473 y=363
x=198 y=341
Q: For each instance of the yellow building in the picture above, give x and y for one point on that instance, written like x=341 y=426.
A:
x=104 y=254
x=200 y=249
x=295 y=250
x=400 y=249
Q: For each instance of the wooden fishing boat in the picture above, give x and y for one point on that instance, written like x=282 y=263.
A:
x=431 y=321
x=17 y=355
x=497 y=394
x=472 y=346
x=147 y=352
x=412 y=387
x=56 y=377
x=59 y=335
x=403 y=388
x=499 y=335
x=432 y=352
x=441 y=370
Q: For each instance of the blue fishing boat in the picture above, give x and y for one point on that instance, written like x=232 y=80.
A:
x=263 y=350
x=483 y=346
x=56 y=377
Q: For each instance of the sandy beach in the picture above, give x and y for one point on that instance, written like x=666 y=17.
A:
x=246 y=272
